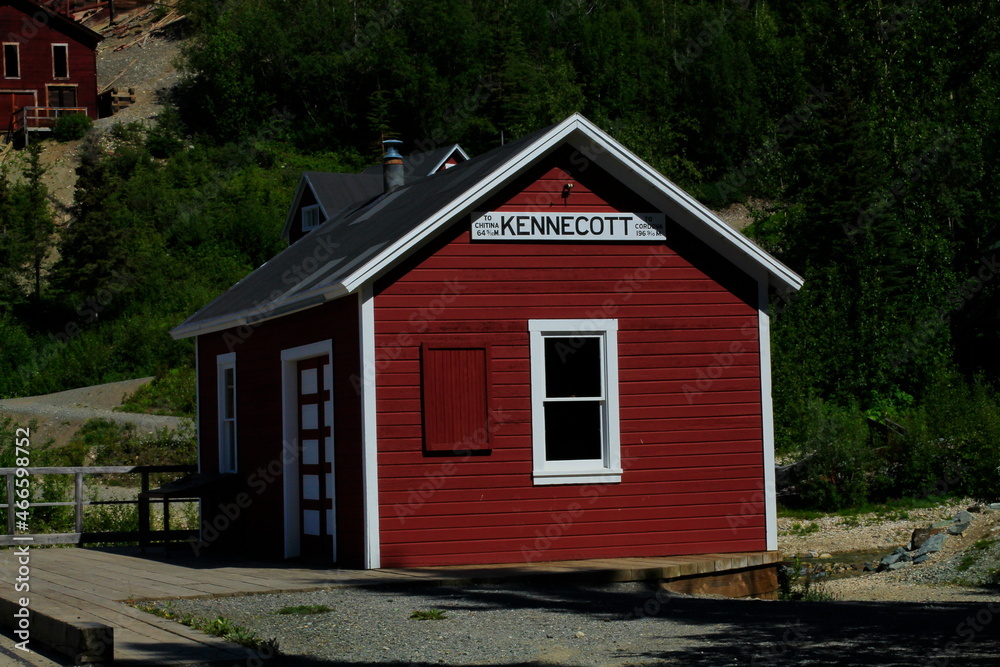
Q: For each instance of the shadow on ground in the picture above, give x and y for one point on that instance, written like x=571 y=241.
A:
x=752 y=632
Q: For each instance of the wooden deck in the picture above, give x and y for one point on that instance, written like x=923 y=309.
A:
x=91 y=585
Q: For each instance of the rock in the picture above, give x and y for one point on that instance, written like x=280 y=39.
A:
x=957 y=528
x=900 y=565
x=868 y=567
x=813 y=554
x=994 y=506
x=889 y=560
x=920 y=559
x=932 y=544
x=900 y=550
x=904 y=557
x=825 y=556
x=579 y=635
x=964 y=517
x=921 y=535
x=944 y=523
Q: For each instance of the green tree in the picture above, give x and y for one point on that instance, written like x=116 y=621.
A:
x=31 y=221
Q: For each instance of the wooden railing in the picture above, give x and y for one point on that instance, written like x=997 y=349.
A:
x=40 y=118
x=144 y=535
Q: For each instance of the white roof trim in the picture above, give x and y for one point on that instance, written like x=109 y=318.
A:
x=454 y=147
x=780 y=275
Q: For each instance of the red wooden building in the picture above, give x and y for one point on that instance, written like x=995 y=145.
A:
x=49 y=65
x=546 y=352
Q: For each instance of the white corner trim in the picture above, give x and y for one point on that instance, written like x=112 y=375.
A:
x=767 y=416
x=197 y=403
x=290 y=439
x=369 y=428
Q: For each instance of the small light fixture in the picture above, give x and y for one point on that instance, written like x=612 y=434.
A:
x=567 y=188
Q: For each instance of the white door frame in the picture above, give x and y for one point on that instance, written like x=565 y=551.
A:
x=290 y=440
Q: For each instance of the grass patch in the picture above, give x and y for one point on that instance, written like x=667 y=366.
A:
x=217 y=627
x=304 y=609
x=429 y=615
x=801 y=530
x=170 y=393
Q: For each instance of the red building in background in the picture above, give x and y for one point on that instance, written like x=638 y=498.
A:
x=545 y=352
x=48 y=66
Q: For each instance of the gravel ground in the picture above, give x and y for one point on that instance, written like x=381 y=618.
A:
x=905 y=617
x=620 y=625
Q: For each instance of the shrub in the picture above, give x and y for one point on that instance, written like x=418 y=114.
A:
x=838 y=459
x=71 y=127
x=170 y=393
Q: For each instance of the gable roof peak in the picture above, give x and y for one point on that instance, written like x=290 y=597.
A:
x=368 y=239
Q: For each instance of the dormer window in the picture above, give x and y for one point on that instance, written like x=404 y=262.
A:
x=310 y=217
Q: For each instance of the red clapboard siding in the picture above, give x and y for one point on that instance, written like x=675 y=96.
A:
x=35 y=39
x=259 y=422
x=689 y=386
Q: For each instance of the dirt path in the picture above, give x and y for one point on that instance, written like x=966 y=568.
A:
x=60 y=415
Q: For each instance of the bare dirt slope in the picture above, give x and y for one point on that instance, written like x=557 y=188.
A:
x=60 y=415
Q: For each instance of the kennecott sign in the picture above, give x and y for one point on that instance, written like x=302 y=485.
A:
x=568 y=226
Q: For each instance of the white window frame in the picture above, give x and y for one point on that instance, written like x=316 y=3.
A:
x=319 y=217
x=3 y=56
x=60 y=78
x=607 y=469
x=227 y=451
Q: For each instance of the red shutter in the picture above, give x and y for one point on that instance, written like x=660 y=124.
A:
x=456 y=398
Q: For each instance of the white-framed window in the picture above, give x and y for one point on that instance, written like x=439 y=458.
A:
x=574 y=401
x=311 y=217
x=226 y=367
x=60 y=61
x=11 y=60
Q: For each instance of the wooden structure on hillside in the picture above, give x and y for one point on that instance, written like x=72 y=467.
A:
x=546 y=352
x=48 y=66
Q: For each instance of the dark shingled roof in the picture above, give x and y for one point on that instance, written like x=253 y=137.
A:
x=342 y=244
x=336 y=192
x=58 y=20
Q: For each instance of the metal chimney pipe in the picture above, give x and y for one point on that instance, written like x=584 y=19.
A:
x=392 y=165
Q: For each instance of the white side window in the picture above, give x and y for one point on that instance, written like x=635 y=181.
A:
x=226 y=364
x=310 y=217
x=574 y=401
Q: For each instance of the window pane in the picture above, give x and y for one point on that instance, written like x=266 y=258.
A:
x=229 y=445
x=10 y=64
x=573 y=430
x=572 y=367
x=229 y=392
x=60 y=70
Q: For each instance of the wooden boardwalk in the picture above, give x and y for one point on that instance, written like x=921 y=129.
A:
x=92 y=584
